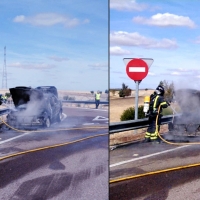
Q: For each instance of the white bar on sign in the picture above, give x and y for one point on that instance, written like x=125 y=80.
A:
x=136 y=69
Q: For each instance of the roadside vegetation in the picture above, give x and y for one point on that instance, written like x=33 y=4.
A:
x=125 y=91
x=129 y=113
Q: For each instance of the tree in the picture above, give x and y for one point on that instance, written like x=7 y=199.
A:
x=106 y=91
x=125 y=91
x=92 y=92
x=7 y=94
x=169 y=89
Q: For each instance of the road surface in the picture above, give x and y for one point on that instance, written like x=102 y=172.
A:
x=140 y=169
x=78 y=170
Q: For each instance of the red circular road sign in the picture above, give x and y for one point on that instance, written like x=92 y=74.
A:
x=137 y=69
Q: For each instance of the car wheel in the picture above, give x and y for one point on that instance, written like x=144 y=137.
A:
x=59 y=116
x=47 y=123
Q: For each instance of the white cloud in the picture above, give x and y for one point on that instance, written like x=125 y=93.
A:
x=151 y=74
x=38 y=66
x=197 y=41
x=99 y=66
x=166 y=19
x=135 y=39
x=86 y=21
x=115 y=50
x=19 y=18
x=176 y=73
x=49 y=19
x=127 y=5
x=58 y=59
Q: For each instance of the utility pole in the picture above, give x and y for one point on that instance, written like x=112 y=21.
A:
x=4 y=78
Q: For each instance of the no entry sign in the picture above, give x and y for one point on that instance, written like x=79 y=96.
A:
x=137 y=69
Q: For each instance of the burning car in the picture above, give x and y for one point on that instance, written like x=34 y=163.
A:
x=34 y=107
x=188 y=121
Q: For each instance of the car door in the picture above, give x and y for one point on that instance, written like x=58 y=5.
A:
x=55 y=105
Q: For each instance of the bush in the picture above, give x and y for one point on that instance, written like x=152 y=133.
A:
x=7 y=94
x=65 y=97
x=125 y=91
x=129 y=114
x=69 y=98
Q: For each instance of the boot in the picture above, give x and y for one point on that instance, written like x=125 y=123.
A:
x=147 y=140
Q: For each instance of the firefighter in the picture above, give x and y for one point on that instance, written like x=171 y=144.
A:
x=157 y=103
x=97 y=99
x=4 y=99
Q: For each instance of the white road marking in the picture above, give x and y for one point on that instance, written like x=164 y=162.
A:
x=64 y=116
x=88 y=124
x=136 y=69
x=100 y=118
x=147 y=156
x=13 y=138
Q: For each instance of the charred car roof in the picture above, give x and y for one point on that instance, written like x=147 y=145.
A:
x=48 y=89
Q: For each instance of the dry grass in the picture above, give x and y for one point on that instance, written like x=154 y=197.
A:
x=118 y=105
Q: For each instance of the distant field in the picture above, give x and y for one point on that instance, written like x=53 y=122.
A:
x=118 y=104
x=79 y=95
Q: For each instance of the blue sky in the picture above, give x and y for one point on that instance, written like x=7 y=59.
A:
x=166 y=31
x=62 y=43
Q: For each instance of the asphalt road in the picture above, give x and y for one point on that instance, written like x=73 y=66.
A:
x=72 y=171
x=138 y=159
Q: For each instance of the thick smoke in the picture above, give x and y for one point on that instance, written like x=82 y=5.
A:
x=33 y=108
x=187 y=96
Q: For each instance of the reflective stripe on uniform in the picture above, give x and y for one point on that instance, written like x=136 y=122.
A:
x=163 y=103
x=155 y=102
x=154 y=138
x=147 y=135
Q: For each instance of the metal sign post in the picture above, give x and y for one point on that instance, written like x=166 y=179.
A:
x=136 y=98
x=137 y=70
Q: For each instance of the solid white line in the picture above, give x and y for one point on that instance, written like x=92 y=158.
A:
x=8 y=140
x=136 y=69
x=147 y=156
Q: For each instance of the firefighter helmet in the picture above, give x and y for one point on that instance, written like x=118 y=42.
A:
x=160 y=90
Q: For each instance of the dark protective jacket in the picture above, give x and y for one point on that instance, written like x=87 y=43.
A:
x=155 y=102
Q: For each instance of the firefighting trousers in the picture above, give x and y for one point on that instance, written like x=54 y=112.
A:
x=153 y=129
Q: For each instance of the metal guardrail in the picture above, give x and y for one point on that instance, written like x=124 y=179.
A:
x=85 y=102
x=136 y=124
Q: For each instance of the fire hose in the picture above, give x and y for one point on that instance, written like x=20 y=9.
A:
x=173 y=143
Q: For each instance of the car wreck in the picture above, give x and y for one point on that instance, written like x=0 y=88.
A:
x=34 y=107
x=187 y=121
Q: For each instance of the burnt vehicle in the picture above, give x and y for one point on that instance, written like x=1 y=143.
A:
x=34 y=107
x=188 y=121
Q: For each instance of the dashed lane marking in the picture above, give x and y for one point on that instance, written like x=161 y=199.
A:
x=88 y=124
